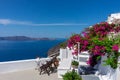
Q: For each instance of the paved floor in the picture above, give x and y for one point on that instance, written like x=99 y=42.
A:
x=90 y=77
x=33 y=74
x=28 y=75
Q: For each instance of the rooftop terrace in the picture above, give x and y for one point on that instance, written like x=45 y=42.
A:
x=30 y=74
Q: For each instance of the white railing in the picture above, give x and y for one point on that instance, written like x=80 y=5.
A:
x=19 y=65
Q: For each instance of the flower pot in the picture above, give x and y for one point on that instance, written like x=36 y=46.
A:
x=74 y=66
x=57 y=63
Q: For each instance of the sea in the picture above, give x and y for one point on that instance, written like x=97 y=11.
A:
x=22 y=50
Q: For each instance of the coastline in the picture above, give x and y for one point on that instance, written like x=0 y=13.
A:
x=55 y=49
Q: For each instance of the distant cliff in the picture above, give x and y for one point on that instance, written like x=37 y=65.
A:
x=55 y=49
x=19 y=38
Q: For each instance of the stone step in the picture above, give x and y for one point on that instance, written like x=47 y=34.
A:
x=89 y=77
x=82 y=59
x=83 y=63
x=85 y=56
x=85 y=52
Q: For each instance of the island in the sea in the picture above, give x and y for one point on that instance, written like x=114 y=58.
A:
x=23 y=38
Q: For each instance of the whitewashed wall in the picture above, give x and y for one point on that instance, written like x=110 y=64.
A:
x=118 y=71
x=63 y=54
x=106 y=72
x=19 y=65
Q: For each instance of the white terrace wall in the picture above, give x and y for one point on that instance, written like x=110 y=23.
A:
x=107 y=73
x=19 y=65
x=118 y=71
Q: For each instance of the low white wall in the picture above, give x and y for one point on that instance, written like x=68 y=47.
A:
x=118 y=71
x=19 y=65
x=108 y=73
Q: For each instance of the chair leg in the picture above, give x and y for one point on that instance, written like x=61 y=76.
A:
x=51 y=69
x=55 y=65
x=40 y=71
x=47 y=72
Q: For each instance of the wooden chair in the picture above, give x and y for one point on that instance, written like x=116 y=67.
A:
x=48 y=66
x=44 y=68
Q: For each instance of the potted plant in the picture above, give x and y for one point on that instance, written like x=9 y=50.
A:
x=63 y=45
x=75 y=64
x=71 y=76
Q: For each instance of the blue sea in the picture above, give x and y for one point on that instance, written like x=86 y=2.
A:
x=20 y=50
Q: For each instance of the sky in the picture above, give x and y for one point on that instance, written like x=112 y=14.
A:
x=52 y=18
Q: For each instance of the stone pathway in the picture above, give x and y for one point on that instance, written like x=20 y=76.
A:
x=30 y=74
x=89 y=77
x=83 y=58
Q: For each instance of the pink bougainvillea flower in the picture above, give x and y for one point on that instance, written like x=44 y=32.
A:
x=115 y=47
x=73 y=40
x=98 y=50
x=85 y=35
x=86 y=42
x=89 y=61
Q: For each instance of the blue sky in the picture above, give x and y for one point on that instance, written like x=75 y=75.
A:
x=52 y=18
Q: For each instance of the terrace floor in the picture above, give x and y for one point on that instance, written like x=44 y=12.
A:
x=31 y=74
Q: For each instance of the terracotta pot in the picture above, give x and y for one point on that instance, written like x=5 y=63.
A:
x=56 y=63
x=74 y=67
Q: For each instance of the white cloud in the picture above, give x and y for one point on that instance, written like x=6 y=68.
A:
x=8 y=22
x=5 y=21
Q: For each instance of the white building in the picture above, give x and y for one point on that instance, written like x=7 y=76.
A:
x=113 y=18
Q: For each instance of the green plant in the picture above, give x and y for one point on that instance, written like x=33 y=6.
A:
x=71 y=76
x=112 y=61
x=63 y=44
x=75 y=63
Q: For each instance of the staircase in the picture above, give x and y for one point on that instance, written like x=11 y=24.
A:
x=89 y=77
x=82 y=58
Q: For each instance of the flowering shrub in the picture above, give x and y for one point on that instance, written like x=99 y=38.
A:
x=72 y=75
x=99 y=41
x=115 y=48
x=73 y=40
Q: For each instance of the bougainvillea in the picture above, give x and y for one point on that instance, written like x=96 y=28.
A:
x=73 y=40
x=73 y=43
x=98 y=50
x=98 y=40
x=115 y=48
